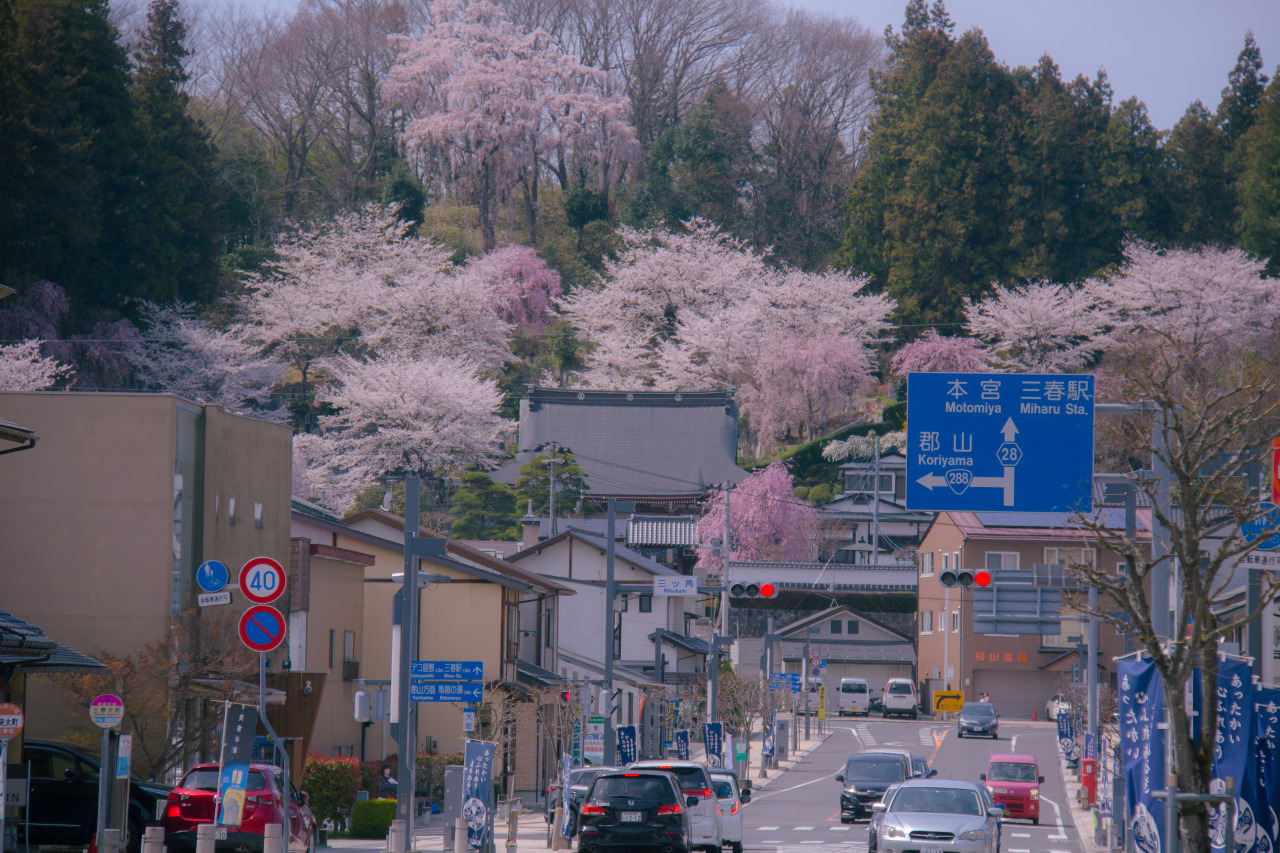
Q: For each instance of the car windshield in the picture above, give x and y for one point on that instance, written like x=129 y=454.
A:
x=979 y=709
x=873 y=770
x=723 y=788
x=206 y=779
x=1011 y=771
x=689 y=777
x=632 y=787
x=937 y=801
x=853 y=688
x=582 y=778
x=902 y=688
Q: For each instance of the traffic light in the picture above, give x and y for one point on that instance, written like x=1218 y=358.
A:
x=965 y=577
x=566 y=696
x=753 y=590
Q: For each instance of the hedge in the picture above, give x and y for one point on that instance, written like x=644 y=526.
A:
x=372 y=818
x=430 y=774
x=332 y=783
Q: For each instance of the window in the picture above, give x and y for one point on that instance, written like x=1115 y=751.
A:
x=332 y=637
x=955 y=621
x=945 y=564
x=348 y=645
x=624 y=599
x=646 y=604
x=617 y=635
x=1069 y=556
x=836 y=626
x=550 y=624
x=926 y=564
x=998 y=561
x=1072 y=631
x=926 y=622
x=257 y=515
x=853 y=626
x=951 y=672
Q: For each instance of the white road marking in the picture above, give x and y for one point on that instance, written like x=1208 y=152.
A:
x=1059 y=851
x=1020 y=834
x=840 y=828
x=1013 y=744
x=1019 y=850
x=810 y=842
x=767 y=828
x=803 y=828
x=1057 y=817
x=771 y=792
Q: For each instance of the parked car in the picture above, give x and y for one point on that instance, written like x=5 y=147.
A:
x=732 y=798
x=900 y=698
x=580 y=779
x=636 y=809
x=704 y=815
x=928 y=815
x=1057 y=704
x=1014 y=782
x=866 y=776
x=978 y=718
x=63 y=797
x=855 y=697
x=194 y=802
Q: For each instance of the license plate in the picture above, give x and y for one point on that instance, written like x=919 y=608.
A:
x=931 y=850
x=636 y=817
x=219 y=833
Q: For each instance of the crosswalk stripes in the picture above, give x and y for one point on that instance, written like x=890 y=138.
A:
x=864 y=734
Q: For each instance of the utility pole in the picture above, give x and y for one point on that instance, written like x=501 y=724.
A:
x=610 y=739
x=551 y=487
x=407 y=734
x=724 y=569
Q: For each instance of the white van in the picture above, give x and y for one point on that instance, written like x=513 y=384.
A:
x=900 y=698
x=855 y=697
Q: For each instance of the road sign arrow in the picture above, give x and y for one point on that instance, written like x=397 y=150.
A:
x=1009 y=430
x=1005 y=482
x=931 y=480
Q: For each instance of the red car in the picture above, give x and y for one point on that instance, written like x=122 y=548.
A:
x=195 y=801
x=1014 y=782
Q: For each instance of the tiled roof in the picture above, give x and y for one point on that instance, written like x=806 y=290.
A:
x=693 y=644
x=635 y=558
x=532 y=674
x=24 y=646
x=634 y=443
x=662 y=530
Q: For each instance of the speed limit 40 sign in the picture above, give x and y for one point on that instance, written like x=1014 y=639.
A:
x=262 y=580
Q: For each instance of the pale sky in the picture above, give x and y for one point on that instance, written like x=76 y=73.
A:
x=1166 y=52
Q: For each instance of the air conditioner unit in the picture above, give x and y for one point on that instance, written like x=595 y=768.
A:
x=350 y=670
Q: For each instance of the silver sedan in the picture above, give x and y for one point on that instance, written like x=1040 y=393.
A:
x=933 y=816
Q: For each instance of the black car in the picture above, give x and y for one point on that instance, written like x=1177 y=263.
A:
x=921 y=768
x=866 y=777
x=978 y=718
x=635 y=808
x=580 y=779
x=62 y=797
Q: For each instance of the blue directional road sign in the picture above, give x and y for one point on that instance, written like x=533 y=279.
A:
x=420 y=691
x=782 y=680
x=212 y=576
x=447 y=670
x=999 y=442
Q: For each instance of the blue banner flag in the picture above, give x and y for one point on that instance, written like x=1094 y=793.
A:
x=565 y=764
x=769 y=734
x=682 y=744
x=1066 y=735
x=1231 y=751
x=238 y=728
x=1266 y=703
x=713 y=740
x=1141 y=700
x=477 y=791
x=626 y=745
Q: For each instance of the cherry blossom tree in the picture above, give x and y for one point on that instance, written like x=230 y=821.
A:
x=395 y=413
x=863 y=447
x=935 y=353
x=766 y=521
x=489 y=104
x=797 y=382
x=23 y=368
x=700 y=308
x=185 y=356
x=523 y=287
x=1041 y=327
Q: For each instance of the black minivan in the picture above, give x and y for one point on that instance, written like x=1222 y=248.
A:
x=635 y=809
x=866 y=776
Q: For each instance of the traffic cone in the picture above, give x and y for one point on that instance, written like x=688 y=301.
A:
x=1033 y=714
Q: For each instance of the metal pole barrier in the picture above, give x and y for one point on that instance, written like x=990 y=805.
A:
x=113 y=843
x=514 y=807
x=1171 y=844
x=204 y=838
x=460 y=843
x=557 y=821
x=271 y=838
x=153 y=840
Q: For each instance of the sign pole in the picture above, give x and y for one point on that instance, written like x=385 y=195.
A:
x=4 y=791
x=407 y=740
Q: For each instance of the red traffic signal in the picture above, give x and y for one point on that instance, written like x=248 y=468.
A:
x=566 y=696
x=753 y=590
x=982 y=578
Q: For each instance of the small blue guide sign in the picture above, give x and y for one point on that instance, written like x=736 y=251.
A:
x=447 y=670
x=1000 y=442
x=436 y=692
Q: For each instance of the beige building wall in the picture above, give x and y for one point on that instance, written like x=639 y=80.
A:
x=87 y=517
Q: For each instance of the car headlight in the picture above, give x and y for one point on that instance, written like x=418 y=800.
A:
x=1035 y=793
x=973 y=835
x=891 y=831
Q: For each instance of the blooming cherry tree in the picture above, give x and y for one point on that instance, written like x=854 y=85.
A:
x=187 y=357
x=934 y=353
x=398 y=412
x=489 y=104
x=863 y=447
x=23 y=368
x=766 y=521
x=1041 y=327
x=522 y=286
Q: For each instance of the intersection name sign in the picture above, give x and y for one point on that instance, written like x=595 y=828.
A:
x=1011 y=442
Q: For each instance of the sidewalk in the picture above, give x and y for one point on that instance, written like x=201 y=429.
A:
x=1081 y=816
x=531 y=826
